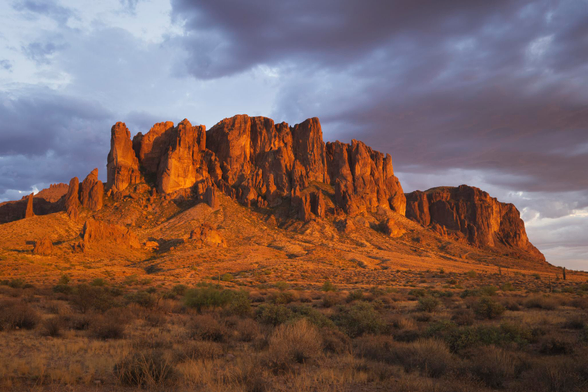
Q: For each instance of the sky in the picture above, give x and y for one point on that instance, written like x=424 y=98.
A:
x=492 y=94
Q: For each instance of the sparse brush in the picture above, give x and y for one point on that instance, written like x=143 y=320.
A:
x=206 y=327
x=145 y=369
x=17 y=315
x=291 y=344
x=494 y=366
x=51 y=327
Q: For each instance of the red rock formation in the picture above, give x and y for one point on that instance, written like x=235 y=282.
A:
x=471 y=214
x=72 y=201
x=363 y=178
x=206 y=235
x=123 y=165
x=43 y=247
x=182 y=165
x=96 y=231
x=29 y=211
x=52 y=194
x=92 y=192
x=259 y=163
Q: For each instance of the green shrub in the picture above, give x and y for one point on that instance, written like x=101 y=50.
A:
x=328 y=286
x=356 y=295
x=417 y=293
x=359 y=318
x=179 y=289
x=141 y=298
x=427 y=304
x=240 y=303
x=282 y=286
x=541 y=302
x=273 y=314
x=471 y=274
x=207 y=297
x=64 y=279
x=227 y=278
x=488 y=308
x=282 y=297
x=98 y=282
x=63 y=289
x=312 y=315
x=87 y=297
x=488 y=290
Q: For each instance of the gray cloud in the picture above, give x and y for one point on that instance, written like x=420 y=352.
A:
x=48 y=8
x=6 y=65
x=47 y=137
x=41 y=52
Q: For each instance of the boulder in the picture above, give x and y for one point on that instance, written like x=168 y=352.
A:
x=43 y=247
x=206 y=235
x=391 y=228
x=95 y=231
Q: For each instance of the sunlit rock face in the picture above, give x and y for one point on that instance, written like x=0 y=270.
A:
x=470 y=214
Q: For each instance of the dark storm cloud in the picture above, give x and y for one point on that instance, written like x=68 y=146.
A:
x=47 y=137
x=48 y=8
x=495 y=86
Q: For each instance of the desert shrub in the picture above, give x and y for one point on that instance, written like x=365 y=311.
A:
x=227 y=277
x=110 y=325
x=247 y=330
x=87 y=297
x=422 y=317
x=511 y=304
x=76 y=321
x=463 y=317
x=493 y=366
x=540 y=302
x=199 y=350
x=556 y=344
x=331 y=299
x=273 y=314
x=155 y=319
x=580 y=303
x=179 y=289
x=379 y=348
x=488 y=308
x=335 y=341
x=64 y=279
x=469 y=293
x=282 y=297
x=207 y=297
x=471 y=274
x=313 y=316
x=17 y=315
x=554 y=376
x=430 y=357
x=289 y=344
x=16 y=283
x=417 y=293
x=282 y=286
x=328 y=286
x=488 y=290
x=356 y=295
x=141 y=298
x=63 y=289
x=576 y=321
x=149 y=368
x=359 y=318
x=206 y=327
x=427 y=304
x=98 y=282
x=240 y=304
x=507 y=287
x=51 y=327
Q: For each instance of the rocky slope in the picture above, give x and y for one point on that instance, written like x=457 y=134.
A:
x=470 y=214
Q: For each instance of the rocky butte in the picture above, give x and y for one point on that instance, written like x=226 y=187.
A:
x=288 y=171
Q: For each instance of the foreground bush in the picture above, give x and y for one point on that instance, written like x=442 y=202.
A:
x=488 y=308
x=17 y=315
x=293 y=343
x=145 y=369
x=493 y=366
x=360 y=318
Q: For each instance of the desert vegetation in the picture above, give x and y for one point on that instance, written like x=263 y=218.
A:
x=455 y=332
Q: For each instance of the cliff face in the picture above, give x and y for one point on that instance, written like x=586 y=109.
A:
x=470 y=214
x=257 y=162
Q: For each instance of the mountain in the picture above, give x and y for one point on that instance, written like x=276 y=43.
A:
x=271 y=191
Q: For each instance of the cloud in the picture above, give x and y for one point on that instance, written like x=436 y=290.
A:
x=6 y=65
x=48 y=137
x=48 y=8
